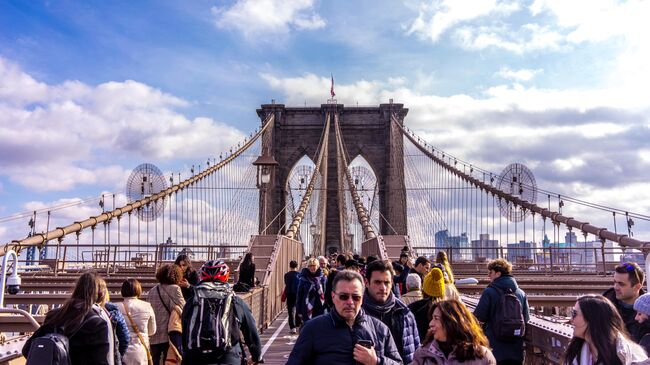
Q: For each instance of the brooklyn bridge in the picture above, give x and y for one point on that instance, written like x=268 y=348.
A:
x=323 y=180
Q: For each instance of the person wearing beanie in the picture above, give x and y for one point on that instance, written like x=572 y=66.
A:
x=434 y=284
x=642 y=308
x=413 y=289
x=433 y=291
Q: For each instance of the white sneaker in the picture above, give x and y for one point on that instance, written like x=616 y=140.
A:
x=293 y=331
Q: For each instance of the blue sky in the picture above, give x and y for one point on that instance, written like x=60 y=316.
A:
x=90 y=89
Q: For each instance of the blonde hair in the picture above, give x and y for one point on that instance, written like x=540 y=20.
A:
x=313 y=261
x=102 y=292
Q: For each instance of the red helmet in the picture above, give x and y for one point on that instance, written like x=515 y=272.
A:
x=214 y=270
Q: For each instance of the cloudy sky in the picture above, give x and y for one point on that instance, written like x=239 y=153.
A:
x=89 y=90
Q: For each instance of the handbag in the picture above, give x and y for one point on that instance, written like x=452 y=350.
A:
x=137 y=332
x=283 y=297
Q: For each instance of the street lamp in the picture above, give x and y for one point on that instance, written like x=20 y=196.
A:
x=13 y=282
x=265 y=165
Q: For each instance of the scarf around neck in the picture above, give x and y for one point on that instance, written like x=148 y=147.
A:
x=373 y=307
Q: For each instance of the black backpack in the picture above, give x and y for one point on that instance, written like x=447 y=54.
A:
x=210 y=324
x=49 y=349
x=508 y=322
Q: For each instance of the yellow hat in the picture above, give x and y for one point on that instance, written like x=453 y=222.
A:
x=434 y=284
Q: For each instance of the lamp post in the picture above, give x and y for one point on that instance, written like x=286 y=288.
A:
x=13 y=282
x=265 y=166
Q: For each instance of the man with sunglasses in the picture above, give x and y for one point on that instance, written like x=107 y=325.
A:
x=380 y=302
x=628 y=283
x=345 y=335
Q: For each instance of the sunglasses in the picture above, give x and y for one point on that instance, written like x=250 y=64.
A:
x=345 y=296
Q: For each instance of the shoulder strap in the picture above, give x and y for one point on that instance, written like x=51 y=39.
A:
x=137 y=332
x=162 y=301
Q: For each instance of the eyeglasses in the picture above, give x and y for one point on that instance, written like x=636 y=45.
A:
x=345 y=296
x=574 y=313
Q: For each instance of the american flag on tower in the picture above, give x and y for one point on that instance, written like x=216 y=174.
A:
x=332 y=88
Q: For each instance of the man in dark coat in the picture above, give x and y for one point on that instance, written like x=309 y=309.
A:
x=628 y=280
x=506 y=353
x=380 y=302
x=346 y=335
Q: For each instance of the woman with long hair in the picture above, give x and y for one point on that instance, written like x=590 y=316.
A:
x=116 y=319
x=80 y=321
x=442 y=262
x=190 y=276
x=441 y=258
x=247 y=271
x=599 y=335
x=141 y=320
x=454 y=337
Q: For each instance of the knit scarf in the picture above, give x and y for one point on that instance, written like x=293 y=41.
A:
x=315 y=292
x=376 y=309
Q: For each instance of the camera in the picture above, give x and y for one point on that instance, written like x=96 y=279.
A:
x=13 y=284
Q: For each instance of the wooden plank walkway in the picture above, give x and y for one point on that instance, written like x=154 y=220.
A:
x=277 y=342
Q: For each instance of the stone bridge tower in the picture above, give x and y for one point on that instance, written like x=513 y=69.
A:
x=366 y=131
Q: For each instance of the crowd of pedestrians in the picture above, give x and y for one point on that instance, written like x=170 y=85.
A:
x=190 y=317
x=345 y=310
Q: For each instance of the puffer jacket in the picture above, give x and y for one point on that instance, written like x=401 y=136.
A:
x=635 y=329
x=399 y=320
x=431 y=354
x=119 y=326
x=486 y=311
x=328 y=340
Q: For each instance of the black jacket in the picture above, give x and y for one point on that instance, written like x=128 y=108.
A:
x=485 y=312
x=248 y=329
x=420 y=310
x=247 y=275
x=88 y=346
x=192 y=277
x=636 y=330
x=328 y=340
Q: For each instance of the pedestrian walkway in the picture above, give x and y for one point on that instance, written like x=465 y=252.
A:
x=277 y=342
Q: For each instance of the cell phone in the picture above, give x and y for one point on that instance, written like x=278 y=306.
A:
x=365 y=343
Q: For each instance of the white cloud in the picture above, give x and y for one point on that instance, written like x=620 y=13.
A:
x=265 y=18
x=530 y=37
x=72 y=126
x=437 y=16
x=518 y=75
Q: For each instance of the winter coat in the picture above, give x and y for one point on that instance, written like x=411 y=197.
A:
x=399 y=320
x=431 y=354
x=247 y=326
x=628 y=352
x=485 y=312
x=328 y=340
x=163 y=304
x=119 y=326
x=247 y=275
x=412 y=296
x=142 y=315
x=311 y=294
x=291 y=283
x=88 y=346
x=635 y=329
x=420 y=310
x=192 y=277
